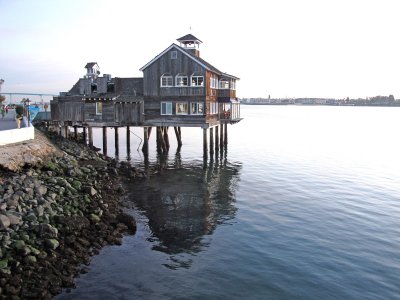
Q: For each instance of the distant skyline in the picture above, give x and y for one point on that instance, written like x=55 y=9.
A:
x=287 y=48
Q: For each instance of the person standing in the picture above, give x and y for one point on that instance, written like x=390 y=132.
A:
x=3 y=111
x=7 y=109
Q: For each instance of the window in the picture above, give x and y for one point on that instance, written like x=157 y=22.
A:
x=233 y=84
x=181 y=108
x=182 y=80
x=166 y=108
x=196 y=108
x=99 y=108
x=224 y=84
x=167 y=80
x=174 y=54
x=214 y=81
x=213 y=108
x=197 y=80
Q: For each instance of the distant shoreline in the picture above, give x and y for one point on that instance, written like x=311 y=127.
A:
x=301 y=104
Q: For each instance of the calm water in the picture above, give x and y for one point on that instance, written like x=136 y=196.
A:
x=304 y=205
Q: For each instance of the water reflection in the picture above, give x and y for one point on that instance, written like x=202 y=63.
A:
x=185 y=203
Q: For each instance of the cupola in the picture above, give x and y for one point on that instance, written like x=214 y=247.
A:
x=190 y=43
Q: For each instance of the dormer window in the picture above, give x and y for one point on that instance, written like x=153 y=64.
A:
x=167 y=80
x=182 y=80
x=197 y=80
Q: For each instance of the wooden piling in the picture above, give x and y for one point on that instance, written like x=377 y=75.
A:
x=225 y=134
x=105 y=140
x=221 y=136
x=76 y=132
x=146 y=134
x=90 y=133
x=216 y=139
x=166 y=137
x=128 y=141
x=84 y=135
x=116 y=136
x=178 y=136
x=205 y=147
x=211 y=141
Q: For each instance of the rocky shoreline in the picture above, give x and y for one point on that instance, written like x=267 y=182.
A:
x=55 y=213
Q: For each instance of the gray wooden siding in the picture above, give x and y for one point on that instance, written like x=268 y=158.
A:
x=182 y=64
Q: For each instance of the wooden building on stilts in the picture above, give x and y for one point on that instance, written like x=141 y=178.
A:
x=178 y=89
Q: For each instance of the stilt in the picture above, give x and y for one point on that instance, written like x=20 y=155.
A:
x=116 y=141
x=146 y=134
x=205 y=147
x=128 y=141
x=158 y=139
x=105 y=140
x=166 y=137
x=178 y=136
x=225 y=135
x=216 y=139
x=90 y=132
x=84 y=135
x=211 y=141
x=76 y=132
x=221 y=136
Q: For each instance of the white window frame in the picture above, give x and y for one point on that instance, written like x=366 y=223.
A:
x=165 y=78
x=214 y=81
x=99 y=108
x=213 y=108
x=195 y=80
x=224 y=84
x=178 y=107
x=194 y=108
x=168 y=108
x=180 y=78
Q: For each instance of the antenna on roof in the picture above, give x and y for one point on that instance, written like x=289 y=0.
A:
x=190 y=28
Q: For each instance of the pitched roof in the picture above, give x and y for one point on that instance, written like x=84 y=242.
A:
x=187 y=38
x=90 y=64
x=199 y=60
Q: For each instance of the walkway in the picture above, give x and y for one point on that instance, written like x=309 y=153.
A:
x=8 y=122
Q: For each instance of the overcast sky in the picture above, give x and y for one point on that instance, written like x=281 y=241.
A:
x=282 y=48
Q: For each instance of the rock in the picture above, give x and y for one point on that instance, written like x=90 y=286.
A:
x=46 y=231
x=3 y=206
x=4 y=222
x=90 y=190
x=94 y=218
x=24 y=251
x=15 y=218
x=41 y=190
x=39 y=211
x=30 y=259
x=3 y=263
x=19 y=244
x=52 y=244
x=128 y=220
x=77 y=185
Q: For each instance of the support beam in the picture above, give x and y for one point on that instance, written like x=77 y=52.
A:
x=146 y=135
x=90 y=132
x=166 y=137
x=226 y=135
x=205 y=147
x=221 y=136
x=76 y=132
x=105 y=140
x=158 y=139
x=116 y=141
x=128 y=141
x=211 y=141
x=178 y=136
x=216 y=139
x=84 y=135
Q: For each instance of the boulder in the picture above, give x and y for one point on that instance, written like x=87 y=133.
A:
x=4 y=222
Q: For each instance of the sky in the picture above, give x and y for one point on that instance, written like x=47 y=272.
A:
x=278 y=48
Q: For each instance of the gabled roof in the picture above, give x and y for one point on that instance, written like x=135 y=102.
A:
x=90 y=64
x=188 y=38
x=199 y=60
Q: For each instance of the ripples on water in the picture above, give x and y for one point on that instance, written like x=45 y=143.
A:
x=305 y=205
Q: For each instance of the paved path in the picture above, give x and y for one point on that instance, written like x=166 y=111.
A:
x=8 y=122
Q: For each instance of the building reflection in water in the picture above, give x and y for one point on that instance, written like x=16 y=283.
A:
x=185 y=203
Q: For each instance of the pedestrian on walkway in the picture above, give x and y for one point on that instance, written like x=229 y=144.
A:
x=3 y=111
x=7 y=109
